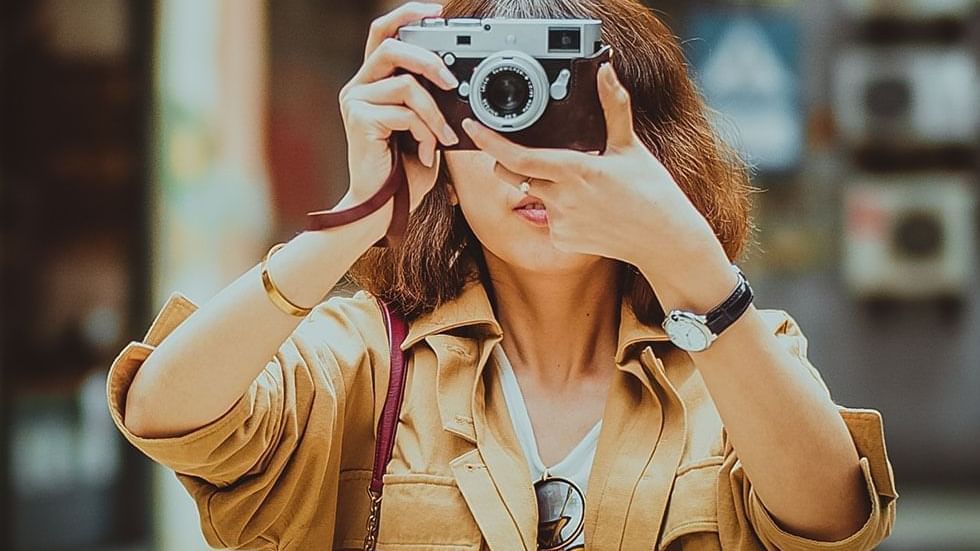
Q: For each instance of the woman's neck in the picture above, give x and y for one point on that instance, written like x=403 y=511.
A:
x=559 y=329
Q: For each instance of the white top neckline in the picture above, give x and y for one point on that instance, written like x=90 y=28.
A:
x=581 y=453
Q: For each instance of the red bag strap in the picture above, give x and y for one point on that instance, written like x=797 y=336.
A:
x=397 y=330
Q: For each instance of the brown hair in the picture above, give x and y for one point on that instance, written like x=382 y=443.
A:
x=439 y=249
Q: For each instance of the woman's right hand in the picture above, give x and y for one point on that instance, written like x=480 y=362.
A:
x=377 y=102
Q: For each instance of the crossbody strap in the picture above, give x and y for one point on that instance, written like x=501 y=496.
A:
x=397 y=330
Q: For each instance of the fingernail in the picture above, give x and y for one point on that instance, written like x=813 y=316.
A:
x=426 y=155
x=612 y=76
x=449 y=137
x=607 y=72
x=448 y=77
x=469 y=126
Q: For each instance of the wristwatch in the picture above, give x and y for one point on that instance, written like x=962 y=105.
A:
x=695 y=332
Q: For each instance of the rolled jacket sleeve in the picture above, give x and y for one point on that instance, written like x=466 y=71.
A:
x=867 y=432
x=279 y=445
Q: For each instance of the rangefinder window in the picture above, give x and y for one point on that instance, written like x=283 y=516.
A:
x=564 y=39
x=463 y=40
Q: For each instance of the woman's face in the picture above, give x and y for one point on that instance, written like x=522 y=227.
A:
x=488 y=205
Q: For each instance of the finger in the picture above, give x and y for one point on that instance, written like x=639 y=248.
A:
x=387 y=25
x=385 y=119
x=506 y=175
x=616 y=107
x=545 y=164
x=406 y=90
x=393 y=54
x=538 y=187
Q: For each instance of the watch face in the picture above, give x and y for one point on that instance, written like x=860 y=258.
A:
x=687 y=333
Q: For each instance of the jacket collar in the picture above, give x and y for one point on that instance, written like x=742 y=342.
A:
x=494 y=472
x=472 y=308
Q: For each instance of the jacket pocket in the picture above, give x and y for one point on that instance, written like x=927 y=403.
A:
x=424 y=511
x=692 y=513
x=353 y=507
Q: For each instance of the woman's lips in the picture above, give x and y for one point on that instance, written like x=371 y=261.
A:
x=535 y=215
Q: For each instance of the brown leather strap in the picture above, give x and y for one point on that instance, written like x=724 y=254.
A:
x=396 y=184
x=397 y=330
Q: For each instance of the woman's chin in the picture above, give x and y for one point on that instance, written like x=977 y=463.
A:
x=539 y=255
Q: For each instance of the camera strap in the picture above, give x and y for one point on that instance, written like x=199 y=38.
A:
x=396 y=184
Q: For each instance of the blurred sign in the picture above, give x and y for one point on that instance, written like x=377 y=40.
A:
x=748 y=68
x=909 y=236
x=907 y=95
x=909 y=8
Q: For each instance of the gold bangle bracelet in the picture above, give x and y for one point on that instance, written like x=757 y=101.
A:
x=284 y=304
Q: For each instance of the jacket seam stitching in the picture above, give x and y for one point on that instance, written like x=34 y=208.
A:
x=214 y=529
x=674 y=532
x=706 y=463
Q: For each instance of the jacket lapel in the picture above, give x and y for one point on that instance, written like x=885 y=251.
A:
x=504 y=456
x=649 y=504
x=493 y=477
x=631 y=428
x=457 y=364
x=639 y=450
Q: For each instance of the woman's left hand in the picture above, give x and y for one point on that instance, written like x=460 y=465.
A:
x=622 y=204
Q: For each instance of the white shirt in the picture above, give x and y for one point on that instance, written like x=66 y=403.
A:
x=576 y=466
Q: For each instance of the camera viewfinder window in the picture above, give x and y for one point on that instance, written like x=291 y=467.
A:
x=564 y=40
x=463 y=40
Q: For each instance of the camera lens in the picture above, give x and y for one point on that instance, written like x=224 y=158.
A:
x=507 y=92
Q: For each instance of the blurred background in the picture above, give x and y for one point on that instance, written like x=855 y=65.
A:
x=165 y=145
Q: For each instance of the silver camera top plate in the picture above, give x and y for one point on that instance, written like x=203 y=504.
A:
x=478 y=38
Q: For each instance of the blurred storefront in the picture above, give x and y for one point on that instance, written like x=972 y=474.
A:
x=75 y=105
x=157 y=146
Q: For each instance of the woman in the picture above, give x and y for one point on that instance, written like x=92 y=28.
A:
x=535 y=348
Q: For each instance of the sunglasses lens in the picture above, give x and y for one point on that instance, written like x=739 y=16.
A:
x=561 y=512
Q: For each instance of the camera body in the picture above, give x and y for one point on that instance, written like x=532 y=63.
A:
x=531 y=79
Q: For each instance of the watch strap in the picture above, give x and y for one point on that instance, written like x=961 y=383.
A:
x=725 y=314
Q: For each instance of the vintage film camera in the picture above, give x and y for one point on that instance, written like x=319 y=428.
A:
x=533 y=79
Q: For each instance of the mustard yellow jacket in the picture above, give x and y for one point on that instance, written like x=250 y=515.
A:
x=288 y=466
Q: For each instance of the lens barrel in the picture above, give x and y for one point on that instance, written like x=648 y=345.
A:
x=509 y=91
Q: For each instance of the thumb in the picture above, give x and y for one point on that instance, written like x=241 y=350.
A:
x=420 y=178
x=616 y=107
